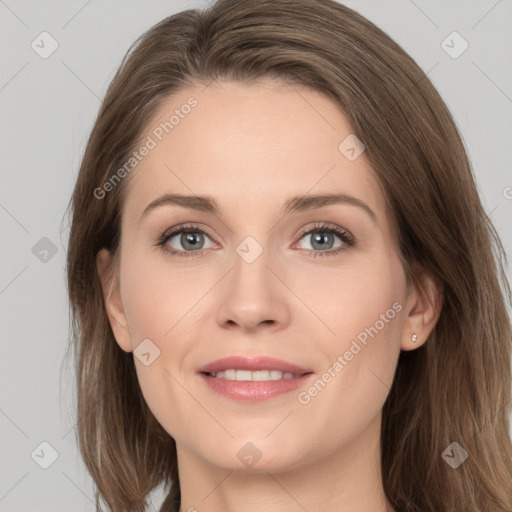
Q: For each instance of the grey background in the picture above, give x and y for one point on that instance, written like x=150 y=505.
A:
x=47 y=110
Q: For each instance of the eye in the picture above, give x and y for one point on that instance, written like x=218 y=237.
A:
x=190 y=237
x=322 y=238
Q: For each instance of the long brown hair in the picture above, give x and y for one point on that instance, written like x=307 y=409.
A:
x=454 y=388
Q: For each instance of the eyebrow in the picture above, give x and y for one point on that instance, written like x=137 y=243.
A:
x=295 y=204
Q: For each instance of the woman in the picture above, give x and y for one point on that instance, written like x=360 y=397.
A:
x=282 y=279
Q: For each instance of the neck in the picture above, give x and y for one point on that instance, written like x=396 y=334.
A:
x=347 y=479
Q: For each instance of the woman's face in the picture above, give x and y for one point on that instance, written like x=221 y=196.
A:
x=252 y=279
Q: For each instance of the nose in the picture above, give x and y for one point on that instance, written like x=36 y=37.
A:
x=253 y=297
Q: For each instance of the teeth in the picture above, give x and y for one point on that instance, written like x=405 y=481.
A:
x=259 y=375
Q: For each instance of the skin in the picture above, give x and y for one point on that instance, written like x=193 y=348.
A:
x=252 y=147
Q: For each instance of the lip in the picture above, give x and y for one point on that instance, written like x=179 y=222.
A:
x=252 y=364
x=253 y=391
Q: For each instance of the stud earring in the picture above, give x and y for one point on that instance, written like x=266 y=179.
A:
x=413 y=338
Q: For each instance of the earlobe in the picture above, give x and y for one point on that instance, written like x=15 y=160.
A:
x=423 y=309
x=107 y=272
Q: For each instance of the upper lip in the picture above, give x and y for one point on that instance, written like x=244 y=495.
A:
x=252 y=364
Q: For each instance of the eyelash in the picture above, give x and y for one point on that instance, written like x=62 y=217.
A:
x=344 y=235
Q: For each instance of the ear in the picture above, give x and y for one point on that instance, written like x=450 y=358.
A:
x=108 y=272
x=423 y=308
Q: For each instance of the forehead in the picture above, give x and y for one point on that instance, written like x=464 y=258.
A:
x=249 y=145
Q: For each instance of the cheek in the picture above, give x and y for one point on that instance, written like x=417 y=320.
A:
x=362 y=357
x=370 y=318
x=353 y=297
x=156 y=297
x=156 y=300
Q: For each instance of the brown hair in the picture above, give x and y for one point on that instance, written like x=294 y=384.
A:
x=454 y=388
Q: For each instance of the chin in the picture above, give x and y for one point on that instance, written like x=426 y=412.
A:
x=253 y=457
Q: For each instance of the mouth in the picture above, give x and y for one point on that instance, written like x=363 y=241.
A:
x=253 y=379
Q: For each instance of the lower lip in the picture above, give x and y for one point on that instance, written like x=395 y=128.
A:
x=254 y=391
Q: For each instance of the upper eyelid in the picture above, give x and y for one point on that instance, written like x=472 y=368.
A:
x=180 y=228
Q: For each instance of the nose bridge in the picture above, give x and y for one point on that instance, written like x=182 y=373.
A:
x=251 y=278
